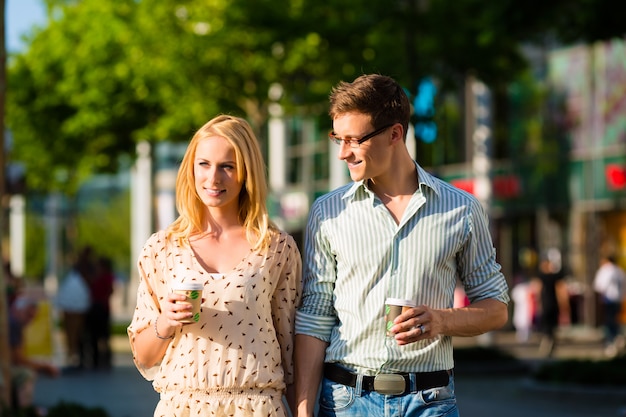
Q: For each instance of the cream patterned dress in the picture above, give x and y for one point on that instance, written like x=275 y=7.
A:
x=237 y=359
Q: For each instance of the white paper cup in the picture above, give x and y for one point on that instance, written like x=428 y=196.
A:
x=193 y=292
x=393 y=308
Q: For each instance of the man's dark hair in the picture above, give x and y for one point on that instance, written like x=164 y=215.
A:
x=378 y=96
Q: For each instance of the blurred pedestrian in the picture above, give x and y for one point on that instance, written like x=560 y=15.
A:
x=610 y=284
x=13 y=284
x=523 y=309
x=235 y=357
x=24 y=369
x=554 y=299
x=99 y=315
x=460 y=296
x=74 y=300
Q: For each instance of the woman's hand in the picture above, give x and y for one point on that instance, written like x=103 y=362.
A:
x=173 y=309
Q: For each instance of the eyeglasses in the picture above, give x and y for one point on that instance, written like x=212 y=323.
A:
x=355 y=143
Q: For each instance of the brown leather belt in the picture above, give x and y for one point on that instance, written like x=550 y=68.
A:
x=388 y=384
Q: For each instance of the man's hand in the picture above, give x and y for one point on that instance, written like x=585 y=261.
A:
x=423 y=322
x=417 y=323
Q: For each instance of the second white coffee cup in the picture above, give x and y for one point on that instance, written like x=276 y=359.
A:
x=393 y=308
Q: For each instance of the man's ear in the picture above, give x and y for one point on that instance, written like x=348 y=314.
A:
x=397 y=133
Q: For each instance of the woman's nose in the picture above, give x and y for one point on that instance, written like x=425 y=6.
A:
x=214 y=175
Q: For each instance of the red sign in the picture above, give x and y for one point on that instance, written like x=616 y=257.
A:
x=504 y=186
x=615 y=176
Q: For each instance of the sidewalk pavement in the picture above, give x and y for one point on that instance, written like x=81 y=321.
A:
x=515 y=394
x=123 y=392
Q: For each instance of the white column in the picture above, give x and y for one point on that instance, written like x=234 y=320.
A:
x=51 y=280
x=481 y=138
x=17 y=231
x=277 y=157
x=308 y=141
x=165 y=184
x=338 y=175
x=141 y=214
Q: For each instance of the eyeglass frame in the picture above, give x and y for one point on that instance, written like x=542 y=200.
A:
x=355 y=143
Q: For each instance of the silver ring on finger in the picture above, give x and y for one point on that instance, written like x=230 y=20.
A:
x=422 y=329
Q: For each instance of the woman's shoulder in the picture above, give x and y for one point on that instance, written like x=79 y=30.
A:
x=157 y=238
x=160 y=240
x=282 y=237
x=283 y=242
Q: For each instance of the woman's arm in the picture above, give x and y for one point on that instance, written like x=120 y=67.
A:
x=151 y=343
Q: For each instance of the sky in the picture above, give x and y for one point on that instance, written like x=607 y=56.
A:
x=20 y=16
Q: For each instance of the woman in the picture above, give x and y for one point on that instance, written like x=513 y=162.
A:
x=237 y=359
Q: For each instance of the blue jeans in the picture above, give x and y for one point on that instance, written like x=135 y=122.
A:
x=343 y=401
x=612 y=310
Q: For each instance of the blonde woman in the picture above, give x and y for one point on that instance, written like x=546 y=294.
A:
x=236 y=360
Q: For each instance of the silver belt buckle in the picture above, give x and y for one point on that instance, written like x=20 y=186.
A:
x=389 y=384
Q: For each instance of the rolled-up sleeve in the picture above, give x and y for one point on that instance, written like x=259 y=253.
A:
x=480 y=273
x=316 y=315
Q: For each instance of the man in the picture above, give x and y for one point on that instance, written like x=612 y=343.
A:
x=610 y=283
x=396 y=231
x=555 y=308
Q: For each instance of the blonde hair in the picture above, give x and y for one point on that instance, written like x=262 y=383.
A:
x=253 y=213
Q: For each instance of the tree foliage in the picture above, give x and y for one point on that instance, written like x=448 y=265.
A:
x=103 y=75
x=106 y=228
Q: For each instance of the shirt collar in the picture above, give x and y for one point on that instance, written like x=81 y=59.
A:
x=425 y=179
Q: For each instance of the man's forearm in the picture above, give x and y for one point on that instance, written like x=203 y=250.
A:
x=475 y=319
x=309 y=362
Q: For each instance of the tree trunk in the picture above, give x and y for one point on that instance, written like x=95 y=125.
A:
x=5 y=353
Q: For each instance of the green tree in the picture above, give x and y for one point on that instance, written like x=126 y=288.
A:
x=104 y=75
x=35 y=262
x=104 y=225
x=74 y=99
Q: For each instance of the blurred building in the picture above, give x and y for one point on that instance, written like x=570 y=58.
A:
x=557 y=181
x=562 y=182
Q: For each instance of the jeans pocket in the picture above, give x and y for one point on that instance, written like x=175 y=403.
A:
x=439 y=394
x=334 y=396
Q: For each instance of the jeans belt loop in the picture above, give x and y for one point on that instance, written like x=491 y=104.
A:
x=413 y=386
x=358 y=386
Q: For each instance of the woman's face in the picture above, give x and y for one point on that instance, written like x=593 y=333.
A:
x=215 y=173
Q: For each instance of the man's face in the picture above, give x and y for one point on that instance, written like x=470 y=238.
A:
x=368 y=160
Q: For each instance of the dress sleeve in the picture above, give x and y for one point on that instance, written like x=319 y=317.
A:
x=148 y=306
x=285 y=299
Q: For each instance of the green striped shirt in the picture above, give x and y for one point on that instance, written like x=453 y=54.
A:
x=355 y=256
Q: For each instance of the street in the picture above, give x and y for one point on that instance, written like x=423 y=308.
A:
x=123 y=392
